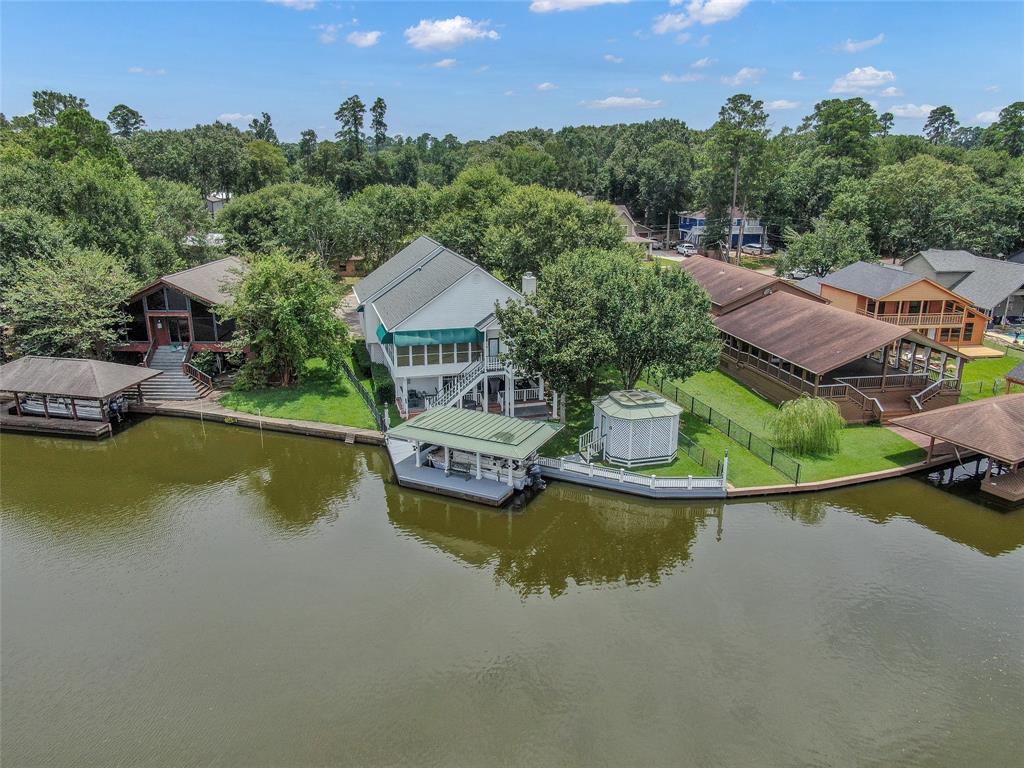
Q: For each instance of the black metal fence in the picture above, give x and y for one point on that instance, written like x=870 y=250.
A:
x=758 y=446
x=378 y=415
x=697 y=452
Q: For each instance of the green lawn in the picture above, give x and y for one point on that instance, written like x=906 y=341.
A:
x=317 y=397
x=979 y=375
x=861 y=448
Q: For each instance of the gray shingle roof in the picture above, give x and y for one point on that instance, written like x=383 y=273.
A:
x=424 y=283
x=988 y=282
x=207 y=281
x=872 y=280
x=811 y=284
x=392 y=269
x=70 y=377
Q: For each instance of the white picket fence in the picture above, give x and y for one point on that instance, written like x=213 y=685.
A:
x=570 y=468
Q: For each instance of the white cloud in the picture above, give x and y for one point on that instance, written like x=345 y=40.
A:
x=862 y=80
x=623 y=102
x=546 y=86
x=631 y=90
x=798 y=75
x=448 y=33
x=911 y=110
x=363 y=39
x=444 y=63
x=987 y=117
x=510 y=93
x=707 y=61
x=296 y=5
x=856 y=46
x=144 y=71
x=703 y=12
x=783 y=104
x=704 y=42
x=686 y=77
x=745 y=75
x=991 y=88
x=613 y=59
x=892 y=90
x=328 y=32
x=235 y=117
x=482 y=68
x=547 y=6
x=683 y=37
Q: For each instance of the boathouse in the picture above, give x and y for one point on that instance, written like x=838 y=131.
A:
x=474 y=455
x=993 y=427
x=58 y=395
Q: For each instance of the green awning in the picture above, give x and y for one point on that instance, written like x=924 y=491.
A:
x=383 y=335
x=437 y=336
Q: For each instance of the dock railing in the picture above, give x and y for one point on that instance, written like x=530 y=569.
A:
x=626 y=478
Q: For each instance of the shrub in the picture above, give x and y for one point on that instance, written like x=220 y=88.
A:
x=205 y=361
x=361 y=359
x=383 y=385
x=807 y=425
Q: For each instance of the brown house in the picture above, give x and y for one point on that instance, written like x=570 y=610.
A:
x=731 y=287
x=907 y=300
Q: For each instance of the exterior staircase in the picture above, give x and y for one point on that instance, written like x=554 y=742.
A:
x=462 y=383
x=172 y=384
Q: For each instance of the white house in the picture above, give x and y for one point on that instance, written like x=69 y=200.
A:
x=428 y=314
x=694 y=224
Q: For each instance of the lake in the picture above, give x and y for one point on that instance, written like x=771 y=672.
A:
x=181 y=596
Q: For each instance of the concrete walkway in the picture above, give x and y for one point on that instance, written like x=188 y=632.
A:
x=210 y=409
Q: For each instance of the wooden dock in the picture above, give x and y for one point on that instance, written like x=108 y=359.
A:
x=1008 y=487
x=38 y=425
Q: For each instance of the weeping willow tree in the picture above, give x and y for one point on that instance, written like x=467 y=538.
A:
x=807 y=425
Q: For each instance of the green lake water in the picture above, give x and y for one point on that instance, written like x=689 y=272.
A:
x=175 y=598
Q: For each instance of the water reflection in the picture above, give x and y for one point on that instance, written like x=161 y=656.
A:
x=956 y=518
x=572 y=537
x=120 y=487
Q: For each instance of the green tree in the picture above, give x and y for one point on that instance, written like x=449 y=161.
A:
x=807 y=426
x=264 y=164
x=286 y=313
x=830 y=246
x=527 y=164
x=126 y=121
x=180 y=223
x=843 y=128
x=46 y=105
x=378 y=126
x=307 y=144
x=350 y=115
x=885 y=121
x=533 y=225
x=464 y=209
x=379 y=220
x=69 y=305
x=666 y=178
x=940 y=125
x=1007 y=133
x=262 y=129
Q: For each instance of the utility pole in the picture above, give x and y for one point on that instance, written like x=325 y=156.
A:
x=732 y=207
x=739 y=236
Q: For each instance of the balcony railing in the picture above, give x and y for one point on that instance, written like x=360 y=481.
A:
x=776 y=372
x=919 y=319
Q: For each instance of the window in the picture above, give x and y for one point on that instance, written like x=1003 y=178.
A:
x=949 y=334
x=136 y=330
x=419 y=355
x=175 y=300
x=915 y=307
x=404 y=355
x=447 y=353
x=433 y=354
x=156 y=302
x=872 y=306
x=203 y=327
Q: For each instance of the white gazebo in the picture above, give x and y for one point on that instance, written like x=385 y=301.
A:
x=636 y=428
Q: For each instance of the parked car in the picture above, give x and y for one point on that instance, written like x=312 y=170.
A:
x=687 y=249
x=756 y=249
x=657 y=245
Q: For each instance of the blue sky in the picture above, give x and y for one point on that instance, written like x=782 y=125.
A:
x=478 y=68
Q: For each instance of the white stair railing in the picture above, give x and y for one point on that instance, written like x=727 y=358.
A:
x=455 y=388
x=590 y=443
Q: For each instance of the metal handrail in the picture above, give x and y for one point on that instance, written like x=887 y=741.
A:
x=627 y=477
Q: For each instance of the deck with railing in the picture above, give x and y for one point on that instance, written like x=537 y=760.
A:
x=654 y=486
x=919 y=319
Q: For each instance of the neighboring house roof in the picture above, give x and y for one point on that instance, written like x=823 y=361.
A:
x=987 y=282
x=992 y=426
x=1016 y=258
x=817 y=337
x=1017 y=374
x=811 y=284
x=727 y=283
x=205 y=282
x=871 y=280
x=412 y=278
x=71 y=377
x=477 y=431
x=636 y=404
x=734 y=213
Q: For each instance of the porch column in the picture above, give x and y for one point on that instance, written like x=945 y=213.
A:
x=913 y=357
x=931 y=448
x=416 y=449
x=960 y=367
x=510 y=400
x=447 y=467
x=479 y=473
x=510 y=473
x=74 y=410
x=943 y=359
x=103 y=412
x=540 y=379
x=46 y=406
x=17 y=403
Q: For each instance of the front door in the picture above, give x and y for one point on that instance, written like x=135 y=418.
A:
x=492 y=347
x=158 y=331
